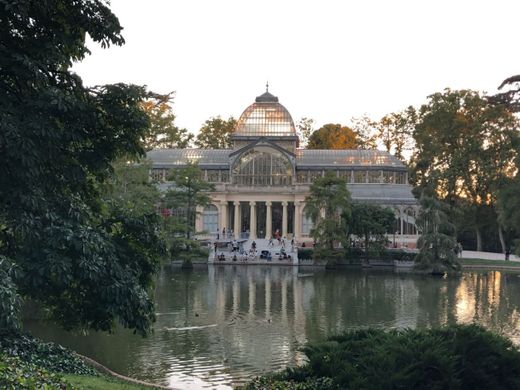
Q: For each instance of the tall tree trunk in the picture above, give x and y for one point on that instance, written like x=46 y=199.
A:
x=501 y=237
x=479 y=239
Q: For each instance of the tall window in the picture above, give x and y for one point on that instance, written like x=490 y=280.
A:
x=306 y=224
x=262 y=167
x=210 y=219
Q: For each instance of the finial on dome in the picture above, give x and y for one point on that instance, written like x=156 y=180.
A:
x=267 y=87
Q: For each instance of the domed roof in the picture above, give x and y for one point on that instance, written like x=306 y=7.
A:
x=265 y=117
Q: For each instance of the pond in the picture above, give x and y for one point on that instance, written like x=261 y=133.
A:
x=219 y=326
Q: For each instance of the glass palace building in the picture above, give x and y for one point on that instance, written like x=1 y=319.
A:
x=262 y=182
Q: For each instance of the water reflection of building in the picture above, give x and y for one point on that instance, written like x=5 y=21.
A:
x=261 y=183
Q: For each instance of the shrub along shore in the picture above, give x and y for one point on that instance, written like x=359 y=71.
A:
x=29 y=363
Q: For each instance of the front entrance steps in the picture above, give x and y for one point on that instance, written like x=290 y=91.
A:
x=274 y=253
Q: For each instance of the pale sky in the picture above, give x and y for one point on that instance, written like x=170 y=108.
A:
x=327 y=60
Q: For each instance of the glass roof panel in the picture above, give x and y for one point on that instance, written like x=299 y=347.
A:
x=265 y=119
x=320 y=157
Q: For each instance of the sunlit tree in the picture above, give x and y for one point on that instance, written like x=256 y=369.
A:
x=333 y=136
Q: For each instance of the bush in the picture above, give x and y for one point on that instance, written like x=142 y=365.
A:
x=17 y=374
x=305 y=253
x=50 y=356
x=454 y=357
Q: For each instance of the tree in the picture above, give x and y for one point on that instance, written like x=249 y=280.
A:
x=87 y=263
x=328 y=205
x=333 y=136
x=163 y=134
x=395 y=130
x=508 y=207
x=371 y=222
x=305 y=128
x=364 y=129
x=216 y=133
x=509 y=98
x=436 y=244
x=465 y=149
x=187 y=192
x=129 y=186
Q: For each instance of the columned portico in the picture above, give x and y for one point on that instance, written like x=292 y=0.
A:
x=223 y=216
x=284 y=219
x=252 y=224
x=297 y=220
x=236 y=227
x=268 y=220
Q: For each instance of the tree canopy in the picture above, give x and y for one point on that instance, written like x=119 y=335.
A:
x=329 y=207
x=163 y=133
x=333 y=136
x=216 y=133
x=371 y=222
x=465 y=148
x=187 y=192
x=87 y=263
x=436 y=244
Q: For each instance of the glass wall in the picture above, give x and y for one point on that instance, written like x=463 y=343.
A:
x=262 y=167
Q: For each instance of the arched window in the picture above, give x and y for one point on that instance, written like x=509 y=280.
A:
x=262 y=166
x=210 y=219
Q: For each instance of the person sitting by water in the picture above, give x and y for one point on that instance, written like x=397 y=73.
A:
x=253 y=245
x=234 y=257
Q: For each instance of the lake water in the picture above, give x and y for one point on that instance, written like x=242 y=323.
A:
x=220 y=326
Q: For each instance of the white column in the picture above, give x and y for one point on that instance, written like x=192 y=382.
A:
x=252 y=220
x=199 y=225
x=223 y=217
x=401 y=211
x=297 y=220
x=268 y=221
x=284 y=219
x=237 y=219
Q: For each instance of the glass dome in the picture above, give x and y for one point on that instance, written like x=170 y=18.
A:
x=265 y=117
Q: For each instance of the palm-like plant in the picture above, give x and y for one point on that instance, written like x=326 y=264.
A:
x=436 y=244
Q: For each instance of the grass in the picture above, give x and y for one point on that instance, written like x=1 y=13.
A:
x=501 y=263
x=101 y=382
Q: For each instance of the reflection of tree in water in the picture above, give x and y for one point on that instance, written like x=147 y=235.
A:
x=353 y=298
x=433 y=301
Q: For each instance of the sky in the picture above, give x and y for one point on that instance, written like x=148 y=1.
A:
x=326 y=60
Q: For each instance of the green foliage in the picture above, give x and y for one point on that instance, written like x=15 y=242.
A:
x=187 y=192
x=328 y=205
x=9 y=297
x=371 y=222
x=88 y=264
x=216 y=133
x=454 y=357
x=333 y=136
x=465 y=149
x=49 y=356
x=17 y=374
x=436 y=244
x=508 y=208
x=271 y=383
x=162 y=132
x=305 y=253
x=129 y=188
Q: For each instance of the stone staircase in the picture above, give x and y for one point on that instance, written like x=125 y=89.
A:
x=250 y=256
